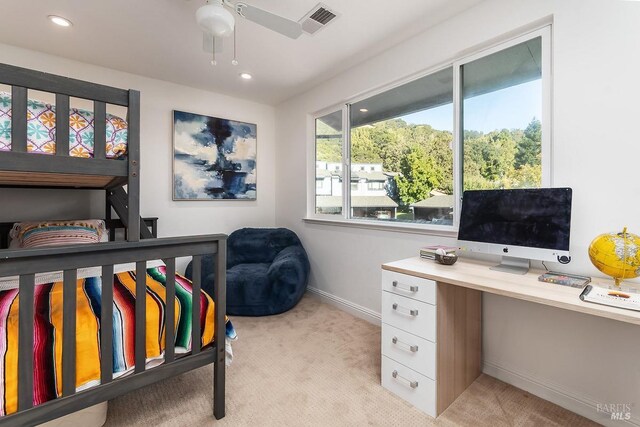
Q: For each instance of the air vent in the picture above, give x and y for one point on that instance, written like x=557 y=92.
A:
x=323 y=16
x=317 y=19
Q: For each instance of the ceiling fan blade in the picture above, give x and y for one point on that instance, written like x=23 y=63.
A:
x=208 y=41
x=284 y=26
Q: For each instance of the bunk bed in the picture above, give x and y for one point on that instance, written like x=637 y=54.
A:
x=20 y=167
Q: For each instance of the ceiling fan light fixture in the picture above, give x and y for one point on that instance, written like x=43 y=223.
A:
x=60 y=21
x=218 y=23
x=214 y=19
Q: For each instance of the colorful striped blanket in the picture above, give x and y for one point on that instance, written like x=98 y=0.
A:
x=48 y=331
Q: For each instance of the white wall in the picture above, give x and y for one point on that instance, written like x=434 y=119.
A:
x=595 y=151
x=158 y=99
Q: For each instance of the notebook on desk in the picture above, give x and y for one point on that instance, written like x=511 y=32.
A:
x=611 y=297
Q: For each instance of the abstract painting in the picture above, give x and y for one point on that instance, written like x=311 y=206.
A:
x=213 y=158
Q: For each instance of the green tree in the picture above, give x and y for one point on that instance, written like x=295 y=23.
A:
x=527 y=176
x=529 y=147
x=363 y=147
x=328 y=143
x=489 y=159
x=423 y=156
x=439 y=149
x=390 y=141
x=418 y=176
x=329 y=150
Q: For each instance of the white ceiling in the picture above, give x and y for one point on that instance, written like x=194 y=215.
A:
x=160 y=39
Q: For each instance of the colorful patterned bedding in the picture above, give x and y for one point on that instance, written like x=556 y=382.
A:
x=41 y=234
x=41 y=130
x=48 y=331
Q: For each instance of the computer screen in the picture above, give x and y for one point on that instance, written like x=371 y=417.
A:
x=535 y=218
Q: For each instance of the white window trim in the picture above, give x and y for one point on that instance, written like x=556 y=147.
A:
x=346 y=163
x=544 y=30
x=401 y=227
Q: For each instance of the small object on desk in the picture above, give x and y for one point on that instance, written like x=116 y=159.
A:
x=616 y=255
x=611 y=297
x=445 y=258
x=564 y=279
x=429 y=252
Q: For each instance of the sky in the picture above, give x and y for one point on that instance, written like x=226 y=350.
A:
x=510 y=108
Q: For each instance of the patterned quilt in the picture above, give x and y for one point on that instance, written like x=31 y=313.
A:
x=41 y=130
x=48 y=332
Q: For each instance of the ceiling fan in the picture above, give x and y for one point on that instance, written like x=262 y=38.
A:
x=217 y=23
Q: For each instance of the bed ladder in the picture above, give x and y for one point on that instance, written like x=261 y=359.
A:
x=117 y=199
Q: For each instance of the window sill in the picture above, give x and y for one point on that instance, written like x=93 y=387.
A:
x=432 y=230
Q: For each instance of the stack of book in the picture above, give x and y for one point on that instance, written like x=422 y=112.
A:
x=429 y=252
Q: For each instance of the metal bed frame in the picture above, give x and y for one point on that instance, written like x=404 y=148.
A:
x=18 y=168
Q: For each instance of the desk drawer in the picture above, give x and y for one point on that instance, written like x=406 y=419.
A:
x=412 y=351
x=415 y=317
x=409 y=385
x=409 y=286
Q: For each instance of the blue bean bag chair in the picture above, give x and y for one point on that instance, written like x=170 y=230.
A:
x=267 y=271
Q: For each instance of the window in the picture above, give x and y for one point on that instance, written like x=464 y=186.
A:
x=501 y=113
x=410 y=151
x=328 y=163
x=408 y=132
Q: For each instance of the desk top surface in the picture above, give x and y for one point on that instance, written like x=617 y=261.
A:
x=477 y=275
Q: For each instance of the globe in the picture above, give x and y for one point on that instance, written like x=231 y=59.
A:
x=616 y=255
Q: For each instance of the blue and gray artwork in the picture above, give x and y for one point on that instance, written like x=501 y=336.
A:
x=213 y=158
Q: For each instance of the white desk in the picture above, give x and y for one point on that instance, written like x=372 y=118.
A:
x=432 y=318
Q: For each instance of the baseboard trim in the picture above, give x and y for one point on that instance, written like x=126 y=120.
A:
x=555 y=393
x=348 y=306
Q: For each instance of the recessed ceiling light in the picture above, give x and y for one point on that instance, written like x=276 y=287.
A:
x=246 y=76
x=59 y=20
x=363 y=110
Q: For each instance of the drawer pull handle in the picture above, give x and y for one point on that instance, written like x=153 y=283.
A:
x=411 y=311
x=412 y=384
x=410 y=288
x=412 y=348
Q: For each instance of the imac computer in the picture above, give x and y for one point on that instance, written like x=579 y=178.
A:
x=519 y=225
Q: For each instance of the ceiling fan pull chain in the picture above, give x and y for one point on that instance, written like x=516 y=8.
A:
x=235 y=56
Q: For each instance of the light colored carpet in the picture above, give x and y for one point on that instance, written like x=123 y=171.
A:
x=318 y=366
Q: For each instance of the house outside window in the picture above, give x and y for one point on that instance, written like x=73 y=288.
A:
x=411 y=150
